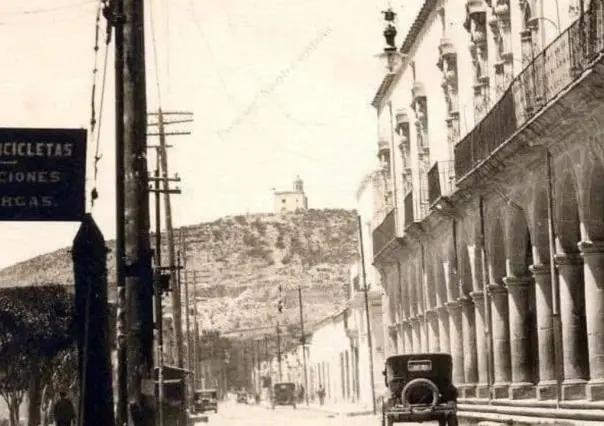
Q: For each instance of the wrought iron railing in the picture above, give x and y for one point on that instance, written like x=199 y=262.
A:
x=548 y=74
x=441 y=180
x=409 y=209
x=385 y=232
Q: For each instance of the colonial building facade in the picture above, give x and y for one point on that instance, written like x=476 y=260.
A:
x=337 y=353
x=489 y=216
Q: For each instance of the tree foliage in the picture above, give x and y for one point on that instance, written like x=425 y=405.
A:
x=36 y=324
x=14 y=379
x=35 y=320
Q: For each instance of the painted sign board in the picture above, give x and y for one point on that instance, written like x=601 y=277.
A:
x=42 y=175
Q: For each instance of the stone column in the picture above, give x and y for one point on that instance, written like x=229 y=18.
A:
x=423 y=332
x=519 y=305
x=443 y=329
x=400 y=338
x=408 y=336
x=456 y=341
x=392 y=339
x=501 y=341
x=470 y=361
x=433 y=340
x=574 y=334
x=593 y=259
x=546 y=388
x=482 y=388
x=416 y=332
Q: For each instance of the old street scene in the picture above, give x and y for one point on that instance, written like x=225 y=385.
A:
x=306 y=213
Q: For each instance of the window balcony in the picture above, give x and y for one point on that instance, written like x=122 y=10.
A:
x=550 y=75
x=441 y=181
x=384 y=233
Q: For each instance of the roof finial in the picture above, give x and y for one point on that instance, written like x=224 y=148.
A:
x=390 y=31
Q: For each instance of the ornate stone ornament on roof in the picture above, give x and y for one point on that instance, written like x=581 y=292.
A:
x=476 y=25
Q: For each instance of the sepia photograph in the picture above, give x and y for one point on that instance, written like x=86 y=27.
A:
x=302 y=213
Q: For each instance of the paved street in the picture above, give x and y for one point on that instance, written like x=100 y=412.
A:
x=233 y=414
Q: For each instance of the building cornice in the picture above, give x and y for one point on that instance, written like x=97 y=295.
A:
x=422 y=18
x=384 y=88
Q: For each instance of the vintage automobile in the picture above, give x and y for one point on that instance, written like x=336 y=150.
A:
x=420 y=388
x=242 y=397
x=284 y=393
x=205 y=400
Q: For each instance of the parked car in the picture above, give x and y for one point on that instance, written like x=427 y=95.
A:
x=205 y=400
x=242 y=397
x=284 y=393
x=419 y=388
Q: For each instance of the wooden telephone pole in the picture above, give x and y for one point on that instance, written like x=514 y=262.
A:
x=190 y=361
x=167 y=191
x=135 y=277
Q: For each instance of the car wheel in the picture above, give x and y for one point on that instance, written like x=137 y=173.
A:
x=452 y=421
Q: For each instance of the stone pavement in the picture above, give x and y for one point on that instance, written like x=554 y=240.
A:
x=342 y=409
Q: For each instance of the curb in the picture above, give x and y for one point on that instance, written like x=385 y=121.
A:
x=341 y=413
x=331 y=412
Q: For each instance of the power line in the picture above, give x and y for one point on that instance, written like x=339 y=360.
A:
x=155 y=60
x=50 y=9
x=102 y=4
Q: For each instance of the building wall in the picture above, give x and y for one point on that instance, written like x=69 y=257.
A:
x=290 y=202
x=474 y=262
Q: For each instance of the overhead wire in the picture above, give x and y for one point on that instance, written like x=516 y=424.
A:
x=50 y=9
x=155 y=55
x=95 y=131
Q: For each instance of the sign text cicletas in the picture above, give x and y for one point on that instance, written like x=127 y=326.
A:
x=42 y=174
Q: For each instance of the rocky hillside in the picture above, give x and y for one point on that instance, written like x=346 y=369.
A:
x=241 y=261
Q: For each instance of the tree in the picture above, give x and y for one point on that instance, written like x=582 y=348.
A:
x=13 y=383
x=59 y=373
x=36 y=323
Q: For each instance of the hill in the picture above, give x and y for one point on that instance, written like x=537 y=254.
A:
x=240 y=263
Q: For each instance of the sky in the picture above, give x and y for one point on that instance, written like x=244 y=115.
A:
x=277 y=89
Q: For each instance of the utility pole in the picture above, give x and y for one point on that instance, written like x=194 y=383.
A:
x=137 y=246
x=158 y=295
x=196 y=354
x=303 y=342
x=186 y=294
x=120 y=220
x=279 y=350
x=176 y=292
x=367 y=316
x=259 y=385
x=190 y=363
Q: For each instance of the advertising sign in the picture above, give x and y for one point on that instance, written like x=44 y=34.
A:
x=42 y=174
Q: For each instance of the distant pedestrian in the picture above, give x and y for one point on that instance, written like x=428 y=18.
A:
x=321 y=394
x=63 y=411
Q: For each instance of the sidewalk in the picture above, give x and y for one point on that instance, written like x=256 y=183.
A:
x=342 y=409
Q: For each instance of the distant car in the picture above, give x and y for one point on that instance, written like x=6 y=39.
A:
x=420 y=389
x=205 y=400
x=284 y=394
x=242 y=397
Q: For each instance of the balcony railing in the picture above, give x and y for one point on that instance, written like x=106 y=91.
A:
x=384 y=233
x=409 y=209
x=441 y=180
x=555 y=68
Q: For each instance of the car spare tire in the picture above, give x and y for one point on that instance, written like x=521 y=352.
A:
x=417 y=392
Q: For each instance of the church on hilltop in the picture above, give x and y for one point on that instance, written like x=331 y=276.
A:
x=291 y=201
